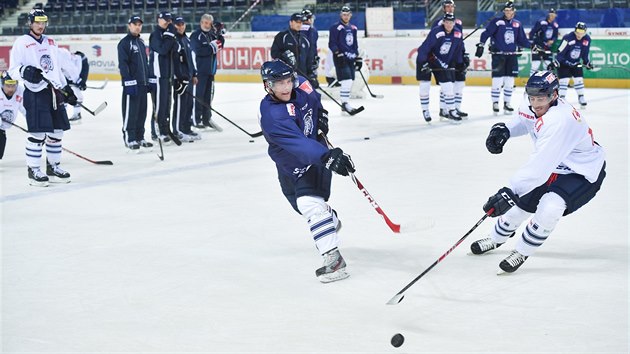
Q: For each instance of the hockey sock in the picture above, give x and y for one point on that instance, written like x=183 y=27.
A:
x=344 y=92
x=549 y=211
x=34 y=143
x=425 y=88
x=442 y=100
x=508 y=223
x=449 y=98
x=53 y=146
x=508 y=86
x=578 y=84
x=535 y=67
x=76 y=110
x=458 y=89
x=496 y=88
x=564 y=83
x=321 y=221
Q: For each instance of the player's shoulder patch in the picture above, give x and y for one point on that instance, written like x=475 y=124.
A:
x=543 y=22
x=516 y=24
x=457 y=34
x=585 y=42
x=571 y=42
x=500 y=23
x=291 y=109
x=51 y=41
x=555 y=24
x=539 y=123
x=306 y=87
x=439 y=34
x=458 y=21
x=339 y=27
x=354 y=27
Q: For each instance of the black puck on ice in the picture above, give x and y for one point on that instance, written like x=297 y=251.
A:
x=251 y=141
x=366 y=138
x=398 y=340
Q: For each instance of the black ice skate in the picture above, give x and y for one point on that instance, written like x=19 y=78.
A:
x=146 y=145
x=212 y=125
x=512 y=262
x=495 y=108
x=427 y=116
x=444 y=114
x=334 y=267
x=56 y=174
x=507 y=108
x=36 y=177
x=75 y=119
x=461 y=114
x=582 y=101
x=454 y=116
x=484 y=245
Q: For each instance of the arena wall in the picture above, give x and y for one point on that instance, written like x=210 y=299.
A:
x=390 y=56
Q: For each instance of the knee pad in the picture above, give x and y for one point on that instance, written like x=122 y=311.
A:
x=36 y=138
x=54 y=137
x=550 y=209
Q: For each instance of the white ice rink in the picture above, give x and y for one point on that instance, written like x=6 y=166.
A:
x=202 y=253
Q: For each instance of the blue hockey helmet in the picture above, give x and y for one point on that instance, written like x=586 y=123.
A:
x=449 y=17
x=37 y=15
x=5 y=78
x=276 y=70
x=580 y=27
x=542 y=83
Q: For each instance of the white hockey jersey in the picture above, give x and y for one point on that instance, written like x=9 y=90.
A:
x=9 y=107
x=43 y=54
x=563 y=144
x=71 y=64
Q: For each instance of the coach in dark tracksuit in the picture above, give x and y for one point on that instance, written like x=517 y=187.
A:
x=205 y=43
x=292 y=47
x=163 y=54
x=134 y=70
x=182 y=97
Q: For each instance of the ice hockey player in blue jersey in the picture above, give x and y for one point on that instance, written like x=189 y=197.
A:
x=309 y=31
x=544 y=35
x=442 y=53
x=292 y=117
x=343 y=43
x=574 y=49
x=564 y=171
x=507 y=38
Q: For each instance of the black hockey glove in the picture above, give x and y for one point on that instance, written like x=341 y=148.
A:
x=70 y=97
x=288 y=57
x=32 y=74
x=315 y=64
x=425 y=68
x=338 y=162
x=466 y=60
x=499 y=135
x=358 y=63
x=322 y=121
x=180 y=86
x=553 y=65
x=479 y=51
x=314 y=82
x=81 y=84
x=589 y=66
x=500 y=203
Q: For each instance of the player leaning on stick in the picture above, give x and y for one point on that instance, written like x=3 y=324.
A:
x=35 y=58
x=291 y=119
x=563 y=173
x=11 y=97
x=506 y=36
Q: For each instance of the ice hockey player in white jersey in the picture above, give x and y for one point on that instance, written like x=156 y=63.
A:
x=563 y=173
x=35 y=59
x=75 y=68
x=11 y=95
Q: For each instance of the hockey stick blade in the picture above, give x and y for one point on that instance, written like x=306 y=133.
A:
x=175 y=138
x=396 y=299
x=368 y=86
x=354 y=111
x=98 y=110
x=99 y=87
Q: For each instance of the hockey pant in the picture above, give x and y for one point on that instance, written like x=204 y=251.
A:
x=134 y=114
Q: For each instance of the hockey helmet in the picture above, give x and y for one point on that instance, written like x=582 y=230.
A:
x=307 y=14
x=449 y=17
x=552 y=11
x=275 y=70
x=580 y=27
x=448 y=2
x=6 y=79
x=345 y=9
x=509 y=6
x=37 y=15
x=542 y=83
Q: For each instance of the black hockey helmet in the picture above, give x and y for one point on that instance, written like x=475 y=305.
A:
x=580 y=27
x=307 y=14
x=5 y=78
x=542 y=83
x=552 y=11
x=275 y=70
x=37 y=15
x=345 y=8
x=448 y=2
x=449 y=17
x=509 y=5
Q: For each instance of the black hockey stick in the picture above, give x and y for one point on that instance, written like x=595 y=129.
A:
x=401 y=294
x=368 y=86
x=103 y=162
x=156 y=127
x=243 y=15
x=98 y=87
x=352 y=112
x=255 y=135
x=98 y=110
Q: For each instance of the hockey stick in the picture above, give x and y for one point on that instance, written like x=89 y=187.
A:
x=368 y=87
x=98 y=110
x=393 y=226
x=243 y=15
x=400 y=295
x=156 y=127
x=103 y=162
x=99 y=87
x=255 y=135
x=352 y=112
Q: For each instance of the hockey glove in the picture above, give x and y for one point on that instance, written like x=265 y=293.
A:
x=589 y=66
x=81 y=84
x=479 y=51
x=180 y=86
x=338 y=162
x=425 y=68
x=219 y=27
x=358 y=63
x=314 y=82
x=322 y=121
x=499 y=135
x=315 y=64
x=466 y=60
x=500 y=203
x=69 y=95
x=32 y=74
x=288 y=57
x=553 y=65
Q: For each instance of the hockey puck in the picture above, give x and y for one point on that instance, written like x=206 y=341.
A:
x=398 y=340
x=366 y=138
x=251 y=141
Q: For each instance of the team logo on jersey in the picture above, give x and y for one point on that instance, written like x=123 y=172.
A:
x=7 y=116
x=549 y=33
x=349 y=39
x=508 y=37
x=308 y=122
x=306 y=87
x=291 y=109
x=539 y=123
x=46 y=63
x=575 y=53
x=445 y=48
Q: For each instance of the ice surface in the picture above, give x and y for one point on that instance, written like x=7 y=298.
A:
x=202 y=253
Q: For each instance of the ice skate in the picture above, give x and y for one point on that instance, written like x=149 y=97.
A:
x=427 y=116
x=582 y=101
x=464 y=115
x=146 y=145
x=454 y=117
x=56 y=174
x=36 y=177
x=194 y=135
x=511 y=263
x=484 y=245
x=346 y=108
x=444 y=114
x=495 y=108
x=213 y=125
x=334 y=267
x=75 y=119
x=507 y=109
x=133 y=147
x=185 y=138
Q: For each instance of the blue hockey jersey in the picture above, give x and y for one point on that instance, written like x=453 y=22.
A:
x=543 y=32
x=505 y=36
x=571 y=50
x=446 y=49
x=290 y=129
x=343 y=38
